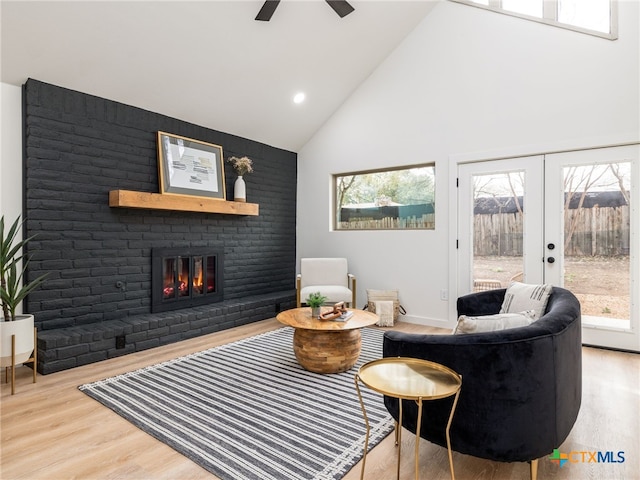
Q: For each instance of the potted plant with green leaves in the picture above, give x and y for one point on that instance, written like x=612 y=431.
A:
x=315 y=301
x=13 y=290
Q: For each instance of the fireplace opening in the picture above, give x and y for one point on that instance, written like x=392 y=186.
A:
x=185 y=277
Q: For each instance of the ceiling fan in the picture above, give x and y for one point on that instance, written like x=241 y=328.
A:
x=341 y=7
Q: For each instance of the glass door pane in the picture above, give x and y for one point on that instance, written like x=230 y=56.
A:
x=592 y=217
x=597 y=239
x=498 y=226
x=498 y=236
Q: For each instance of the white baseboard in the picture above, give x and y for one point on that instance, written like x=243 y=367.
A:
x=426 y=321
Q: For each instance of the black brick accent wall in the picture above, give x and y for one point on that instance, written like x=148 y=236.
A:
x=78 y=147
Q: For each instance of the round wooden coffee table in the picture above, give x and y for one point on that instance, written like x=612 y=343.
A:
x=326 y=346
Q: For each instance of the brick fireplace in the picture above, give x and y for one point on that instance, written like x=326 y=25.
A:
x=99 y=259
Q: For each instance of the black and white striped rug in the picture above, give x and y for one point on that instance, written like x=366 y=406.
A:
x=247 y=410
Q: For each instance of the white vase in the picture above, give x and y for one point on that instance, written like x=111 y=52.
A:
x=22 y=328
x=239 y=190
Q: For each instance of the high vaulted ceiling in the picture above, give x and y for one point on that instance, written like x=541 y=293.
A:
x=208 y=62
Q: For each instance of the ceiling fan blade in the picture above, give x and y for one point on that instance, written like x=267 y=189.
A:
x=341 y=7
x=265 y=13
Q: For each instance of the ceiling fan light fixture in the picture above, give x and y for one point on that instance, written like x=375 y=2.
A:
x=341 y=7
x=266 y=12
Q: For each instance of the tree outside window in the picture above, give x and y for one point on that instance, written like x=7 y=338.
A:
x=401 y=198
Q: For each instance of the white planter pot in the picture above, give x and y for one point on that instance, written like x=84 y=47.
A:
x=22 y=328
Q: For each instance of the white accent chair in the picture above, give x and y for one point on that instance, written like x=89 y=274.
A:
x=330 y=277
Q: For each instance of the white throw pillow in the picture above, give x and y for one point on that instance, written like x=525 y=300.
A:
x=522 y=296
x=492 y=323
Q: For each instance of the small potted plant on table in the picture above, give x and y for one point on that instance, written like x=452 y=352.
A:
x=315 y=301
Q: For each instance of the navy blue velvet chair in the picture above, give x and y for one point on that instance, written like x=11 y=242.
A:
x=521 y=388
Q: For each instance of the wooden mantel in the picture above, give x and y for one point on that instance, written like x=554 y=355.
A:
x=184 y=203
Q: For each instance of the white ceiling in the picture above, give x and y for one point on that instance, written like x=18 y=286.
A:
x=208 y=62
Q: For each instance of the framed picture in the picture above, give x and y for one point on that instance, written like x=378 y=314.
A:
x=190 y=167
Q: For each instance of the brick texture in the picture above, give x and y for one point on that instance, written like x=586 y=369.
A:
x=78 y=147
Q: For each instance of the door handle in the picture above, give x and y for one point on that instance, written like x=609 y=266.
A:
x=551 y=260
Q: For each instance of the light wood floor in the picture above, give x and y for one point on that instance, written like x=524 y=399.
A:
x=50 y=430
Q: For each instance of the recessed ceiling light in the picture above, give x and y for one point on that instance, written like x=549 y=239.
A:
x=299 y=97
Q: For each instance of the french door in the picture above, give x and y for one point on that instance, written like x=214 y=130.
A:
x=569 y=219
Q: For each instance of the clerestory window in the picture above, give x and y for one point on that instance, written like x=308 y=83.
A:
x=594 y=17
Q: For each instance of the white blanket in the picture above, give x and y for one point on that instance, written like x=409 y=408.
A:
x=384 y=310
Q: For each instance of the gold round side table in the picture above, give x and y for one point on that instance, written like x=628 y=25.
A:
x=408 y=379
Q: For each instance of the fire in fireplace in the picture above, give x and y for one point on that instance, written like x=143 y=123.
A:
x=185 y=277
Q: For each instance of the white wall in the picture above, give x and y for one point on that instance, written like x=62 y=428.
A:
x=10 y=151
x=10 y=154
x=466 y=83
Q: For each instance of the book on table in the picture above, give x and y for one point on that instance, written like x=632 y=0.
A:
x=344 y=317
